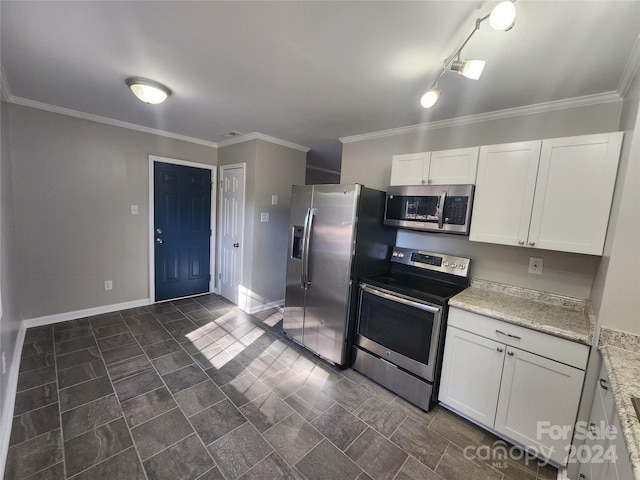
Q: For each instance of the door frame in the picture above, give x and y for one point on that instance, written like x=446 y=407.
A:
x=222 y=168
x=212 y=238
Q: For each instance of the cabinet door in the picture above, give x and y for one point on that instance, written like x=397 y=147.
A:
x=471 y=371
x=454 y=167
x=505 y=187
x=410 y=169
x=533 y=390
x=574 y=190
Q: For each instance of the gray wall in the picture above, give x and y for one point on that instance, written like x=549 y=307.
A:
x=74 y=181
x=316 y=177
x=271 y=170
x=617 y=283
x=369 y=162
x=10 y=318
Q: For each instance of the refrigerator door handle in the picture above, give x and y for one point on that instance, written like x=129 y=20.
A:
x=306 y=242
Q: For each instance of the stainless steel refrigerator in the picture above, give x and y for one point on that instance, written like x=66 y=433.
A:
x=336 y=236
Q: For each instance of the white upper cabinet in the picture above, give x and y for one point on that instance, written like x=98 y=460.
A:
x=504 y=193
x=555 y=194
x=574 y=190
x=446 y=167
x=410 y=169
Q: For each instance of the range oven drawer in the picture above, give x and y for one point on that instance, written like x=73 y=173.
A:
x=409 y=387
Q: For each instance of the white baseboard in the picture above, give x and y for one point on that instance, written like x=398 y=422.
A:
x=264 y=306
x=10 y=396
x=88 y=312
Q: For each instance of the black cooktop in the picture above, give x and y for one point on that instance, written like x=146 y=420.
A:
x=431 y=290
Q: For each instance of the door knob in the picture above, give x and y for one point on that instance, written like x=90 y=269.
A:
x=159 y=240
x=236 y=245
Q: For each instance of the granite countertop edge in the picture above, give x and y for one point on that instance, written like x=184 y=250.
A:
x=529 y=298
x=622 y=363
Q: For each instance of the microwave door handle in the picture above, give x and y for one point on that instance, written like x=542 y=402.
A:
x=440 y=209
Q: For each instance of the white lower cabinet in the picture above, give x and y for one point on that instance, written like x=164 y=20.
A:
x=604 y=455
x=494 y=374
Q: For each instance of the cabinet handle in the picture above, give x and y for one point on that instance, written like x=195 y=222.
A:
x=510 y=353
x=430 y=181
x=603 y=384
x=508 y=334
x=500 y=349
x=423 y=181
x=532 y=243
x=521 y=242
x=581 y=476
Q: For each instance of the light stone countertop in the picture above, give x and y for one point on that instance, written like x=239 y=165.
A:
x=557 y=315
x=621 y=356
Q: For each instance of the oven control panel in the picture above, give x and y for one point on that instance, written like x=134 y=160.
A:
x=438 y=262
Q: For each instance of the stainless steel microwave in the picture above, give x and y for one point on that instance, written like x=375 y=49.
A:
x=430 y=208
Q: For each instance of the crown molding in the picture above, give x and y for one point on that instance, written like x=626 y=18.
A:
x=260 y=136
x=630 y=70
x=586 y=100
x=108 y=121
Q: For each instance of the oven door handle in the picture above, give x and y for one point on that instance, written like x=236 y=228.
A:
x=400 y=299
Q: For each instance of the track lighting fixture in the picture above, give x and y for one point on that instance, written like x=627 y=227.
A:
x=502 y=17
x=148 y=91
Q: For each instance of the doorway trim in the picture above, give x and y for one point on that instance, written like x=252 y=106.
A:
x=222 y=168
x=212 y=238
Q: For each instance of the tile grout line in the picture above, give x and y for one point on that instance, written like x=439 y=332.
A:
x=55 y=363
x=115 y=393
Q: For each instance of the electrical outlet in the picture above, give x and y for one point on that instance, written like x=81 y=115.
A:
x=535 y=265
x=134 y=209
x=108 y=285
x=264 y=217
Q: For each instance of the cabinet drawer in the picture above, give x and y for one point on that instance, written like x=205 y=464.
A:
x=549 y=346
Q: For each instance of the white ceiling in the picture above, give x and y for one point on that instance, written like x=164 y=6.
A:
x=308 y=72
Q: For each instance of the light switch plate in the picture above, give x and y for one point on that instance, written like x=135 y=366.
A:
x=274 y=199
x=134 y=209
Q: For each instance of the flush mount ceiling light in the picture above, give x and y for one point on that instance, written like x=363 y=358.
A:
x=502 y=17
x=148 y=91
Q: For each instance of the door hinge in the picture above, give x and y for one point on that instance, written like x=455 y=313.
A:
x=210 y=232
x=220 y=276
x=209 y=277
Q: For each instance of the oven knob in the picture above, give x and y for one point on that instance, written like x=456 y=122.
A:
x=388 y=353
x=394 y=254
x=446 y=264
x=454 y=265
x=401 y=255
x=462 y=267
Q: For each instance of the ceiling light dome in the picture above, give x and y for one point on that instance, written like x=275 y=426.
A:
x=503 y=16
x=148 y=91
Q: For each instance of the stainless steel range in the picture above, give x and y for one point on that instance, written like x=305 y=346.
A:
x=402 y=318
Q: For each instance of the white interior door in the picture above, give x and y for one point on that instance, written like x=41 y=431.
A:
x=232 y=186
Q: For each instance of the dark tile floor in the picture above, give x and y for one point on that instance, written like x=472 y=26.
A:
x=197 y=389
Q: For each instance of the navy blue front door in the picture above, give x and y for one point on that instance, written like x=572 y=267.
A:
x=182 y=230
